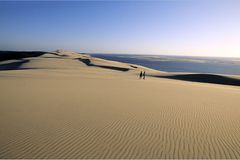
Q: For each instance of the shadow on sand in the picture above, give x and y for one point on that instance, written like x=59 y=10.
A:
x=16 y=55
x=8 y=55
x=88 y=63
x=204 y=78
x=14 y=65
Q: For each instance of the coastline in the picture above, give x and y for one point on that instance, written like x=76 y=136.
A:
x=180 y=64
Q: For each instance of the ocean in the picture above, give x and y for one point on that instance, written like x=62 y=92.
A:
x=214 y=65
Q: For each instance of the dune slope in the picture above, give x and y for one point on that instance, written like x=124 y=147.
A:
x=59 y=106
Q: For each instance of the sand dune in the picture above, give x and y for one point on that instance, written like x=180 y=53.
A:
x=65 y=105
x=205 y=78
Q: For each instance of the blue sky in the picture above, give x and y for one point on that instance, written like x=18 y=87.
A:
x=184 y=27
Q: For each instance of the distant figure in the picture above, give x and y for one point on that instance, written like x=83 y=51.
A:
x=140 y=75
x=144 y=74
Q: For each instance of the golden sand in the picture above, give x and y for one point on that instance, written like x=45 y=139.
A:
x=56 y=106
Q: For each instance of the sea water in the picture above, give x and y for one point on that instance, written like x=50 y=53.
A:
x=215 y=65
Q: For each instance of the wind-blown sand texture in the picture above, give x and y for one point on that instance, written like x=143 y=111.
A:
x=69 y=105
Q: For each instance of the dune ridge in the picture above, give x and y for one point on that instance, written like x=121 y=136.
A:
x=59 y=107
x=204 y=78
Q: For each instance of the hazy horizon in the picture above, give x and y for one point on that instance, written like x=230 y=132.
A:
x=178 y=28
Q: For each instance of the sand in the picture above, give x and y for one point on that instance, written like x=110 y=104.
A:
x=57 y=106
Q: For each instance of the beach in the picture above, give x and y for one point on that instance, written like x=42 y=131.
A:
x=68 y=105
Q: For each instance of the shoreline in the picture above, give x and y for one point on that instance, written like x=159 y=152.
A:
x=179 y=64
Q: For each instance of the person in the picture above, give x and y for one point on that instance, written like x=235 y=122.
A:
x=140 y=75
x=144 y=74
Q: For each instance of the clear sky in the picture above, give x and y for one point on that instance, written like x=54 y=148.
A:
x=184 y=27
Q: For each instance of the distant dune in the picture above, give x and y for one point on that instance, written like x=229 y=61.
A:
x=205 y=78
x=64 y=104
x=14 y=60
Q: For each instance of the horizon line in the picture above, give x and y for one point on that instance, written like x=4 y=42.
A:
x=129 y=53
